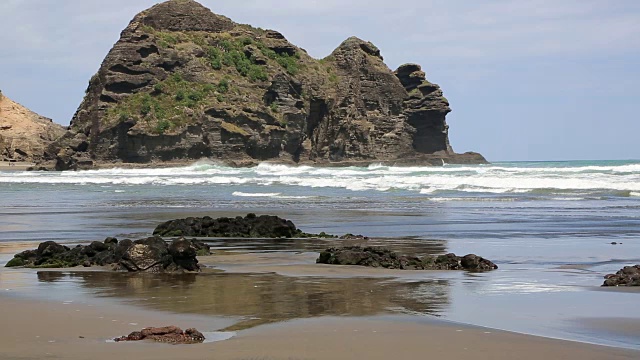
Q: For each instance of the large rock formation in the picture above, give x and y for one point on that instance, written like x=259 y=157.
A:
x=184 y=83
x=24 y=135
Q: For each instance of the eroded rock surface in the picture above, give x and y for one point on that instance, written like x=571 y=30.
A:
x=24 y=135
x=184 y=83
x=146 y=255
x=627 y=276
x=168 y=334
x=385 y=258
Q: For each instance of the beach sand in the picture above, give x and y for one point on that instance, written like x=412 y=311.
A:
x=47 y=330
x=16 y=166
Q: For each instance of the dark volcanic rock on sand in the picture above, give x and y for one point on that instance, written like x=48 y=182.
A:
x=168 y=334
x=184 y=83
x=147 y=255
x=264 y=226
x=384 y=258
x=627 y=276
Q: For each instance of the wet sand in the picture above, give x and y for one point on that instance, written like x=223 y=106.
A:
x=52 y=330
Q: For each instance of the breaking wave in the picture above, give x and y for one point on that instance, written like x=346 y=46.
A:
x=619 y=179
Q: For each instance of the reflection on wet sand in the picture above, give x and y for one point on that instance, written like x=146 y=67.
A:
x=403 y=245
x=263 y=281
x=263 y=298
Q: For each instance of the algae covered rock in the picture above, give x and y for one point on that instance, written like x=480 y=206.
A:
x=146 y=255
x=250 y=226
x=385 y=258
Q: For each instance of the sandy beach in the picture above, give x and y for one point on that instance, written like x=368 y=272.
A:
x=38 y=330
x=263 y=325
x=15 y=166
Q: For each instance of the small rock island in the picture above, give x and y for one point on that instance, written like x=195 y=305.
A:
x=183 y=83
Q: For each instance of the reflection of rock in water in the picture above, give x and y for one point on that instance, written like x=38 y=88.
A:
x=267 y=298
x=405 y=246
x=51 y=276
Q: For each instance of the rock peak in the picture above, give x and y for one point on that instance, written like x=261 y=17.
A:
x=354 y=42
x=184 y=15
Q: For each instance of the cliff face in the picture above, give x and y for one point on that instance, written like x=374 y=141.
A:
x=24 y=135
x=184 y=83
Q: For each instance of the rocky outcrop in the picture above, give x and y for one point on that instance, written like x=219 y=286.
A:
x=250 y=226
x=184 y=83
x=168 y=334
x=24 y=135
x=146 y=255
x=384 y=258
x=426 y=109
x=627 y=276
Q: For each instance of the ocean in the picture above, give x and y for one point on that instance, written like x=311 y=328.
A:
x=548 y=225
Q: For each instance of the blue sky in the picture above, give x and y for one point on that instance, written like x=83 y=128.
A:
x=527 y=80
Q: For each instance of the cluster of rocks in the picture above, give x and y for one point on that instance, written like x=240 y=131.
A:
x=353 y=237
x=146 y=255
x=168 y=334
x=384 y=258
x=250 y=226
x=627 y=276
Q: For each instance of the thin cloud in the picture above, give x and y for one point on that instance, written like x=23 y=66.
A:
x=439 y=29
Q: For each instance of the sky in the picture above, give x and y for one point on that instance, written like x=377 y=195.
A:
x=527 y=80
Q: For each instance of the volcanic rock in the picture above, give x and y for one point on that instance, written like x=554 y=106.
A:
x=168 y=334
x=264 y=226
x=183 y=83
x=385 y=258
x=147 y=255
x=627 y=276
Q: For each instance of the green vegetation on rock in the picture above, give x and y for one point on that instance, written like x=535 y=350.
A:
x=15 y=262
x=167 y=106
x=225 y=90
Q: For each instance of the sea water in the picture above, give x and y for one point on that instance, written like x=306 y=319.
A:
x=548 y=225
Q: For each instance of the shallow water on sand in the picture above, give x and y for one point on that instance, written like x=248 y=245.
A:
x=549 y=226
x=258 y=282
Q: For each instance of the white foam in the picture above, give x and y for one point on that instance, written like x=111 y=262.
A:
x=238 y=193
x=493 y=179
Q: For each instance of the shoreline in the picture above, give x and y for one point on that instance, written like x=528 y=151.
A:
x=237 y=267
x=16 y=166
x=425 y=160
x=74 y=330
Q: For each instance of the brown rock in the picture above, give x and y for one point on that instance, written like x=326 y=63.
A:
x=168 y=334
x=627 y=276
x=24 y=135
